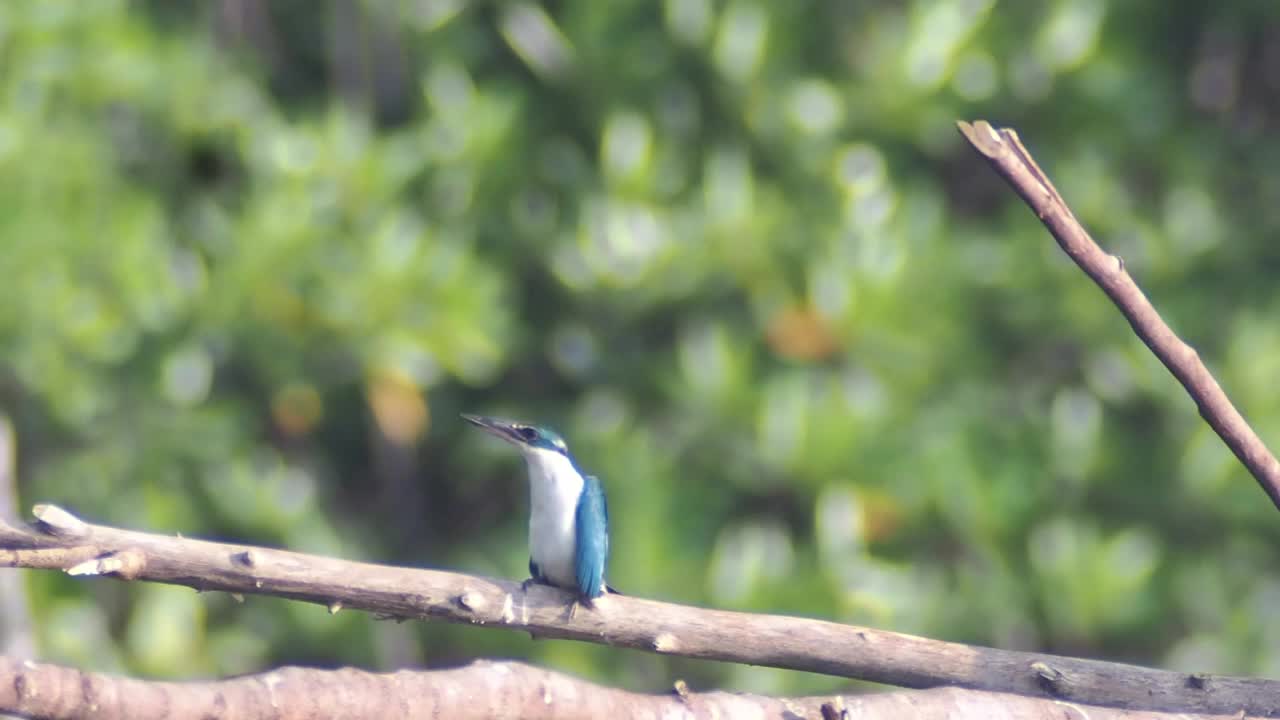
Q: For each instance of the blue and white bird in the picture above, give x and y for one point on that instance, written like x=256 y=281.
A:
x=568 y=518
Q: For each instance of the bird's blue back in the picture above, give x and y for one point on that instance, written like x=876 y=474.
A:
x=592 y=534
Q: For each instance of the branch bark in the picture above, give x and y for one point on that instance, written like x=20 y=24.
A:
x=17 y=636
x=1005 y=152
x=482 y=689
x=60 y=541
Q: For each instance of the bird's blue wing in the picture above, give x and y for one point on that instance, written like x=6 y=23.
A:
x=592 y=526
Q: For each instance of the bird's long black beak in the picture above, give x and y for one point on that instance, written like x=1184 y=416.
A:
x=504 y=429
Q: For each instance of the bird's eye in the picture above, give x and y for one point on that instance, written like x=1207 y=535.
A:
x=528 y=433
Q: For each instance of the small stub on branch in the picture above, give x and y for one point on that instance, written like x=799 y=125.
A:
x=58 y=522
x=471 y=600
x=125 y=565
x=1048 y=676
x=665 y=643
x=835 y=710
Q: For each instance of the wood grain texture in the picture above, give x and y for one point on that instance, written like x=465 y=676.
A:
x=59 y=541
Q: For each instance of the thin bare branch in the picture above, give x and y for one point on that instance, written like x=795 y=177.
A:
x=482 y=689
x=1005 y=152
x=61 y=541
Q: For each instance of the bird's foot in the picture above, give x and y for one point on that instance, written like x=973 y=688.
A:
x=531 y=581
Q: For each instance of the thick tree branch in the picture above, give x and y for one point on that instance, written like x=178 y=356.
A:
x=480 y=690
x=61 y=541
x=1008 y=156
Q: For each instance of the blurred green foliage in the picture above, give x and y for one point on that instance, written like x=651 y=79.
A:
x=257 y=257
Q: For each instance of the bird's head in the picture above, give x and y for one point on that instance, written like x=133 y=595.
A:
x=529 y=438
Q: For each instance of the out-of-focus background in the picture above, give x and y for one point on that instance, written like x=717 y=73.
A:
x=256 y=257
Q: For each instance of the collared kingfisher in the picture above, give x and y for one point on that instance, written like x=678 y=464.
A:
x=568 y=518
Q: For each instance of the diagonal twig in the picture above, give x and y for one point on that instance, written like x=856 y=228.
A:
x=1011 y=159
x=61 y=541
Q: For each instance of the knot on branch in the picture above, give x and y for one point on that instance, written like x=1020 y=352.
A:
x=53 y=520
x=246 y=558
x=1049 y=678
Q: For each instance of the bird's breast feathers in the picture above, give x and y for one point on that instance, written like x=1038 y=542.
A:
x=555 y=486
